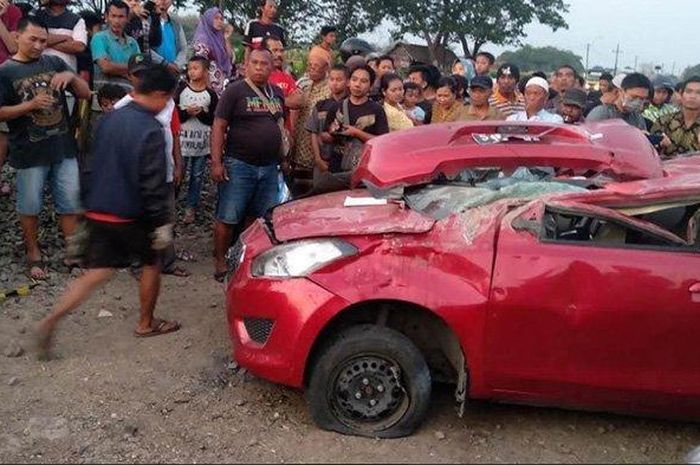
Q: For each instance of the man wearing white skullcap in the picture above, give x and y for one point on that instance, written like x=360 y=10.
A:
x=536 y=95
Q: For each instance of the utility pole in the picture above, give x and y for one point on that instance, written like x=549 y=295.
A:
x=673 y=70
x=588 y=49
x=617 y=57
x=636 y=59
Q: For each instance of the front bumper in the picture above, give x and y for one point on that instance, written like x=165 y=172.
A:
x=274 y=323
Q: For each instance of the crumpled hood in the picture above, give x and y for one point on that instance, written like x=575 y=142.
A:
x=325 y=215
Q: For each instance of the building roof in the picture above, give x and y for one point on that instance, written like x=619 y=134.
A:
x=421 y=53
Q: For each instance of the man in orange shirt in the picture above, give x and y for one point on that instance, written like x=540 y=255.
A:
x=324 y=50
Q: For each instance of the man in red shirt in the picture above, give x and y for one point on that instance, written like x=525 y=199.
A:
x=293 y=97
x=9 y=18
x=279 y=76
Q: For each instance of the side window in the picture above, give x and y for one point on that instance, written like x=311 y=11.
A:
x=679 y=220
x=694 y=230
x=575 y=227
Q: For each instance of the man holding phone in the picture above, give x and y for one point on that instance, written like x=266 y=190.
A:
x=33 y=103
x=353 y=121
x=144 y=25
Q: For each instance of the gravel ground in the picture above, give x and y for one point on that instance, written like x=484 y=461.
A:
x=109 y=397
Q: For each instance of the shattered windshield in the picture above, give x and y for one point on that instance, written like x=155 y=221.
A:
x=476 y=188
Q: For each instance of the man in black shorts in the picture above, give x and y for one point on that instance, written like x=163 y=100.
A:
x=128 y=208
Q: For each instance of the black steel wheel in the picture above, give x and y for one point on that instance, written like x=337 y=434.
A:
x=370 y=381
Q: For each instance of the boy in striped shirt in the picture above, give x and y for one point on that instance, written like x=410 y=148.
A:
x=506 y=98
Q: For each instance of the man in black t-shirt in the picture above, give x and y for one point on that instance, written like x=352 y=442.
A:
x=323 y=180
x=353 y=121
x=257 y=29
x=249 y=119
x=33 y=103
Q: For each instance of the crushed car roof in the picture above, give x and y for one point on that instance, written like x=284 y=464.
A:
x=417 y=155
x=681 y=182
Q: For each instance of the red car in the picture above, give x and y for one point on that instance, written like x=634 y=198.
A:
x=527 y=263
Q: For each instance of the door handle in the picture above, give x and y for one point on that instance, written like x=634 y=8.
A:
x=695 y=288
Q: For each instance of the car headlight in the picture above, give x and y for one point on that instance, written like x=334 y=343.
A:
x=299 y=259
x=234 y=258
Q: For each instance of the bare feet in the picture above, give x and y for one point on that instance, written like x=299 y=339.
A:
x=43 y=334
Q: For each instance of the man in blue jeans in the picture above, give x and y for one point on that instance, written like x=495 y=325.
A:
x=247 y=119
x=33 y=102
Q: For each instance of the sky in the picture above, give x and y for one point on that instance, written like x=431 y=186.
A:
x=660 y=32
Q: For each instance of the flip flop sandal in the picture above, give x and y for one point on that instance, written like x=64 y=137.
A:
x=162 y=327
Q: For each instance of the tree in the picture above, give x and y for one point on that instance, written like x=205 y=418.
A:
x=301 y=18
x=352 y=18
x=691 y=71
x=471 y=23
x=189 y=25
x=291 y=13
x=545 y=59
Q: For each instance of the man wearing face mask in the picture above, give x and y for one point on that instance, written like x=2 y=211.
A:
x=631 y=98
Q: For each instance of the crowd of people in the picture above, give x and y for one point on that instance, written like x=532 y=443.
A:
x=115 y=113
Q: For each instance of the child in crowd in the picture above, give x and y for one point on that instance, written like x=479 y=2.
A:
x=108 y=95
x=195 y=102
x=338 y=85
x=412 y=95
x=87 y=122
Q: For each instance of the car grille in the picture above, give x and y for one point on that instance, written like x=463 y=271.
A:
x=235 y=256
x=258 y=329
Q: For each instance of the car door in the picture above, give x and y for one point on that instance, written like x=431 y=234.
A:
x=601 y=323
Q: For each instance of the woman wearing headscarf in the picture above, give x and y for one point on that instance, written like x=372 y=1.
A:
x=209 y=42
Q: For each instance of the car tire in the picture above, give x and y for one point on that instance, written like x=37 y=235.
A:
x=369 y=381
